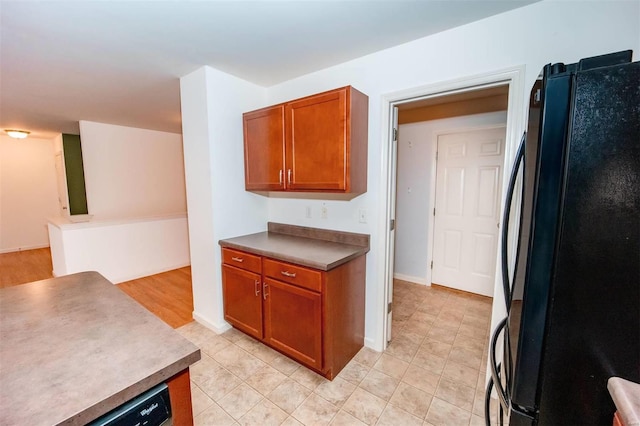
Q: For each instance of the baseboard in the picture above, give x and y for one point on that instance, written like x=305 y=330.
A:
x=217 y=328
x=371 y=344
x=415 y=280
x=12 y=250
x=149 y=273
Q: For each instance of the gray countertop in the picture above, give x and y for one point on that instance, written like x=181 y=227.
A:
x=311 y=247
x=626 y=396
x=74 y=347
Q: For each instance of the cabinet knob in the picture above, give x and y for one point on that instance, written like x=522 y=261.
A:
x=289 y=176
x=288 y=274
x=257 y=288
x=280 y=176
x=237 y=259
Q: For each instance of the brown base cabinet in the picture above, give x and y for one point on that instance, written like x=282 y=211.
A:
x=180 y=396
x=314 y=317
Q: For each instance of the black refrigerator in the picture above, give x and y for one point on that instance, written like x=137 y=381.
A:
x=573 y=299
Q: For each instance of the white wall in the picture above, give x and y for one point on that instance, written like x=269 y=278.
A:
x=219 y=207
x=132 y=173
x=417 y=143
x=532 y=36
x=28 y=192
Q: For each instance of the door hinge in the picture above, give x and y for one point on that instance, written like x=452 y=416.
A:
x=395 y=134
x=434 y=211
x=432 y=264
x=392 y=225
x=436 y=155
x=390 y=307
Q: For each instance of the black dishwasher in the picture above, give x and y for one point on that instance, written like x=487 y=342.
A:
x=151 y=408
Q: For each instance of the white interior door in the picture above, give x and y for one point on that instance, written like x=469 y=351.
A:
x=467 y=209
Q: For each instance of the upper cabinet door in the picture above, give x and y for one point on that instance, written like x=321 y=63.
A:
x=264 y=168
x=317 y=142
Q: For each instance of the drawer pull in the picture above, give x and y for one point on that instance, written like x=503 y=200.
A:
x=289 y=175
x=288 y=274
x=237 y=259
x=257 y=288
x=265 y=287
x=280 y=176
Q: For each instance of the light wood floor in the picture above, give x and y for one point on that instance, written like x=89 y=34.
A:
x=168 y=295
x=25 y=266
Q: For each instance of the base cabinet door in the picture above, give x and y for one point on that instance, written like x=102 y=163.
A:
x=293 y=321
x=242 y=292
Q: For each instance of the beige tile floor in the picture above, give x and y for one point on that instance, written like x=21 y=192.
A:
x=432 y=373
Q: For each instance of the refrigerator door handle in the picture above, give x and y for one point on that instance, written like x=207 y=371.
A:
x=495 y=373
x=506 y=281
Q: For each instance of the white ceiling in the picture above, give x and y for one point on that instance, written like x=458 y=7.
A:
x=119 y=62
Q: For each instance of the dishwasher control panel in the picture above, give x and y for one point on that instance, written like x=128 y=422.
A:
x=151 y=408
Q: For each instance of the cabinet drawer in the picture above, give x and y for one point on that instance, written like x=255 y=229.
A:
x=298 y=275
x=243 y=260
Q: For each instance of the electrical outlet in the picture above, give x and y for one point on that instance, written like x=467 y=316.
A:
x=362 y=216
x=308 y=212
x=324 y=212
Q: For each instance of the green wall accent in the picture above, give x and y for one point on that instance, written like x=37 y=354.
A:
x=74 y=169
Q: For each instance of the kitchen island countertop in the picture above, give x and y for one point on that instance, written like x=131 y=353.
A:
x=75 y=347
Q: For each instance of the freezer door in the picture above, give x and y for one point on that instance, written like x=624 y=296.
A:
x=544 y=172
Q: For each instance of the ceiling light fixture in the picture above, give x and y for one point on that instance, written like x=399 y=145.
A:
x=17 y=134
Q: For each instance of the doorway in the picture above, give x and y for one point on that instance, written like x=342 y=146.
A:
x=436 y=94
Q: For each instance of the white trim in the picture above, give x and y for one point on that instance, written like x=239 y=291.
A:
x=514 y=77
x=149 y=272
x=16 y=249
x=217 y=328
x=409 y=278
x=384 y=244
x=371 y=344
x=431 y=223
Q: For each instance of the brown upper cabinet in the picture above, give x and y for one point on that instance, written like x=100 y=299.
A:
x=313 y=144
